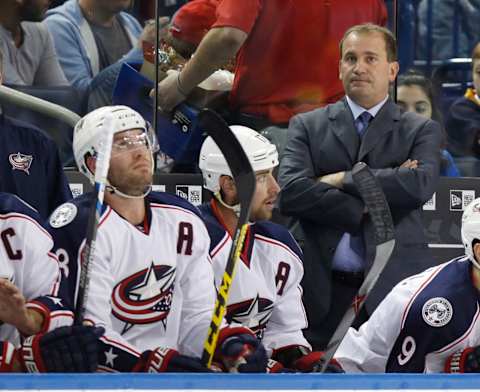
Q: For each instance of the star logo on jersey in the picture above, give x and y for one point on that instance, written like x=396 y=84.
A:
x=144 y=297
x=252 y=313
x=21 y=162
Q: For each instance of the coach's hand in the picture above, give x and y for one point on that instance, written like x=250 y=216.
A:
x=65 y=349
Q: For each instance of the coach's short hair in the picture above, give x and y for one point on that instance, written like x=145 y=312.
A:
x=367 y=28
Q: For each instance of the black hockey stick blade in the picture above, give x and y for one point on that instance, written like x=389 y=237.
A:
x=244 y=178
x=379 y=211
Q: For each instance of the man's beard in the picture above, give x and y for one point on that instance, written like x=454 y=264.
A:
x=132 y=185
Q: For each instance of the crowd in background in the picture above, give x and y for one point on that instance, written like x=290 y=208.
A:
x=284 y=69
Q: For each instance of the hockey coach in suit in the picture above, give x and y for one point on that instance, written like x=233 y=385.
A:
x=403 y=151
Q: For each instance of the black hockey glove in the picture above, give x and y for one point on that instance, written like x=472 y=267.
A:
x=65 y=349
x=464 y=361
x=303 y=360
x=242 y=353
x=168 y=360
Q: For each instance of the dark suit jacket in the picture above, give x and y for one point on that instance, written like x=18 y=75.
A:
x=325 y=141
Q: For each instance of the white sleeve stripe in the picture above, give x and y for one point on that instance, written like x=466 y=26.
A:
x=280 y=244
x=463 y=337
x=26 y=217
x=220 y=245
x=419 y=290
x=120 y=345
x=105 y=369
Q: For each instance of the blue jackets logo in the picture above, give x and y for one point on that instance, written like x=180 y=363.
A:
x=21 y=162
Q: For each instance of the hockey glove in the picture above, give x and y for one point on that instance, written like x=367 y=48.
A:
x=464 y=361
x=65 y=349
x=242 y=353
x=168 y=360
x=303 y=360
x=313 y=362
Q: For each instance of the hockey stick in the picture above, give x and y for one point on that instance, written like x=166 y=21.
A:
x=379 y=211
x=101 y=171
x=244 y=178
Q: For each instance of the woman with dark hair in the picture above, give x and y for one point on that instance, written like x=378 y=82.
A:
x=415 y=94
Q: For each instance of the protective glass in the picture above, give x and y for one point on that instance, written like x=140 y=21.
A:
x=131 y=142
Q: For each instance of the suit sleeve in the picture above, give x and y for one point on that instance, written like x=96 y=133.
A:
x=303 y=196
x=411 y=188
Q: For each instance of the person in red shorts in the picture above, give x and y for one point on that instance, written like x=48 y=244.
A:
x=286 y=56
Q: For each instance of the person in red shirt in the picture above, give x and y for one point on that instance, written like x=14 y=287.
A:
x=286 y=55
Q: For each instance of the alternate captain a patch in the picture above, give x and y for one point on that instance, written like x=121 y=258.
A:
x=437 y=312
x=21 y=162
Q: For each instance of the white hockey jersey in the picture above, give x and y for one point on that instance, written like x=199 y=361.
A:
x=27 y=261
x=147 y=288
x=421 y=322
x=265 y=294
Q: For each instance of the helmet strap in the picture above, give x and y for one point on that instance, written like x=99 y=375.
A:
x=235 y=208
x=115 y=191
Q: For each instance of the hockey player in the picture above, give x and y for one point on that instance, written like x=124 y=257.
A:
x=151 y=282
x=429 y=322
x=28 y=282
x=265 y=295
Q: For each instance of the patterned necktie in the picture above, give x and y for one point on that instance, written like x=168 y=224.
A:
x=362 y=121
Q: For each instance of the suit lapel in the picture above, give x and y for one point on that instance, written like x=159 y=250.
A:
x=341 y=124
x=383 y=123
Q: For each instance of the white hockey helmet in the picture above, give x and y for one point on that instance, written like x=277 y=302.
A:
x=471 y=229
x=86 y=138
x=261 y=153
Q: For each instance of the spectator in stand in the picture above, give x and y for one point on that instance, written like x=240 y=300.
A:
x=183 y=34
x=31 y=166
x=415 y=94
x=286 y=57
x=90 y=35
x=454 y=28
x=29 y=56
x=403 y=151
x=463 y=119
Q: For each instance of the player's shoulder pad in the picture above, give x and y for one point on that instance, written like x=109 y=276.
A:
x=278 y=233
x=448 y=300
x=73 y=210
x=216 y=231
x=174 y=200
x=12 y=203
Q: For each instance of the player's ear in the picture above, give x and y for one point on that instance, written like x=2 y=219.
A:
x=476 y=251
x=91 y=163
x=228 y=188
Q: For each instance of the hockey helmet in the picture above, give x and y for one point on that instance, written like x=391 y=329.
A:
x=261 y=153
x=471 y=229
x=86 y=138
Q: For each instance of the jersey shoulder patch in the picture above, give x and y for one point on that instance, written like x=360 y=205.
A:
x=63 y=215
x=74 y=210
x=279 y=233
